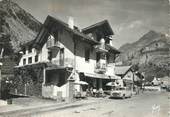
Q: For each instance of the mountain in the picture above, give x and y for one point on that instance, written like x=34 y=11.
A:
x=16 y=26
x=151 y=54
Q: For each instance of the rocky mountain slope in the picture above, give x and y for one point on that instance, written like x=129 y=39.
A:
x=16 y=26
x=151 y=54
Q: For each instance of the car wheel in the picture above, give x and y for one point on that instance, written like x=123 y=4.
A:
x=130 y=96
x=123 y=97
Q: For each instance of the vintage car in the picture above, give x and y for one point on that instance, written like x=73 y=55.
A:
x=121 y=92
x=168 y=88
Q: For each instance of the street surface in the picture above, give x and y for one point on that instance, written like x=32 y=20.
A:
x=143 y=105
x=147 y=104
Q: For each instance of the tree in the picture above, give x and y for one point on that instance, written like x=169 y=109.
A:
x=5 y=45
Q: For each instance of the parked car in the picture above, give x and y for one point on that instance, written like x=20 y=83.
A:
x=121 y=92
x=168 y=88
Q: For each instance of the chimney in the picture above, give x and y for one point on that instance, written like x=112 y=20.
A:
x=71 y=22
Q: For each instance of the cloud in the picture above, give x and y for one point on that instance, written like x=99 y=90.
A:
x=135 y=24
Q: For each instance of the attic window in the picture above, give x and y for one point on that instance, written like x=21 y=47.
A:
x=24 y=61
x=29 y=60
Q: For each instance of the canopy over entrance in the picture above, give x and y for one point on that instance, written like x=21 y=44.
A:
x=94 y=75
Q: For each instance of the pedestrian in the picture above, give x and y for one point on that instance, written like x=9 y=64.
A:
x=94 y=92
x=91 y=91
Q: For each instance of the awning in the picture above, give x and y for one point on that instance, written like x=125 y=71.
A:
x=115 y=77
x=128 y=81
x=80 y=83
x=94 y=75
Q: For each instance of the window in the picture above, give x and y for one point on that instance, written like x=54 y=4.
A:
x=62 y=56
x=87 y=55
x=156 y=44
x=49 y=55
x=24 y=61
x=108 y=58
x=97 y=57
x=55 y=37
x=29 y=60
x=107 y=41
x=36 y=58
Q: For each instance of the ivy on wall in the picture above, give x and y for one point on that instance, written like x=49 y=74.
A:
x=28 y=79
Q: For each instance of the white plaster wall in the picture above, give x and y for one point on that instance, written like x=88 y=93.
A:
x=110 y=69
x=52 y=90
x=27 y=55
x=43 y=55
x=81 y=64
x=128 y=76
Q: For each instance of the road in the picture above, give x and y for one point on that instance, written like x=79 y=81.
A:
x=143 y=105
x=147 y=104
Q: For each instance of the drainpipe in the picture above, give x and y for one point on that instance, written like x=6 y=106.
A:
x=0 y=78
x=133 y=82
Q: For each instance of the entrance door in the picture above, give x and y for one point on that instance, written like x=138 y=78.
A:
x=62 y=57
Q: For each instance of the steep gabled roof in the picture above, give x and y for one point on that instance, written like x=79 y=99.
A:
x=51 y=22
x=122 y=70
x=112 y=49
x=103 y=25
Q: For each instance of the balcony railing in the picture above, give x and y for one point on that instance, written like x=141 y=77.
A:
x=101 y=48
x=100 y=67
x=52 y=45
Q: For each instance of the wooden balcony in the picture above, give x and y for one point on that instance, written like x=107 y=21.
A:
x=52 y=45
x=100 y=48
x=100 y=67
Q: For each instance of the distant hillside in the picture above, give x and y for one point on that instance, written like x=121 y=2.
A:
x=151 y=53
x=16 y=25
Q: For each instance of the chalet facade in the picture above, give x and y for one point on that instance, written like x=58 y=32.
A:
x=128 y=76
x=66 y=53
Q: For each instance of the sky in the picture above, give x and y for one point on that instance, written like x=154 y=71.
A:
x=129 y=19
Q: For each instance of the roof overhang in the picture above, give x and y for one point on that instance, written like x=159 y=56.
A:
x=95 y=75
x=104 y=26
x=52 y=22
x=112 y=49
